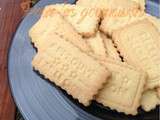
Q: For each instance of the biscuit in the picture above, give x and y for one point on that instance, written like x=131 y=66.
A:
x=158 y=92
x=125 y=81
x=84 y=19
x=142 y=3
x=56 y=24
x=108 y=4
x=119 y=19
x=64 y=64
x=111 y=23
x=97 y=45
x=149 y=100
x=154 y=20
x=110 y=49
x=138 y=43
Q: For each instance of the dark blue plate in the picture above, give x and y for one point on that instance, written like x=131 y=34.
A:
x=38 y=99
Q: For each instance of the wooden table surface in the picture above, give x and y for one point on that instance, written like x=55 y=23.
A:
x=11 y=13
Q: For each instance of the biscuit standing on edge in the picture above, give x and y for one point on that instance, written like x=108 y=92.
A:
x=142 y=3
x=138 y=44
x=84 y=19
x=55 y=23
x=64 y=64
x=125 y=82
x=149 y=100
x=158 y=92
x=97 y=45
x=110 y=49
x=154 y=20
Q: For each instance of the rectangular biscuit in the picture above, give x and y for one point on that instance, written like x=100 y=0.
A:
x=57 y=24
x=149 y=100
x=125 y=82
x=96 y=43
x=64 y=64
x=107 y=4
x=84 y=19
x=117 y=20
x=110 y=49
x=120 y=18
x=139 y=45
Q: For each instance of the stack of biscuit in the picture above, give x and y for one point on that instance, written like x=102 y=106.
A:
x=103 y=50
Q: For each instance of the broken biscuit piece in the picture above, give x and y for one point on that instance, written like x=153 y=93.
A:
x=149 y=100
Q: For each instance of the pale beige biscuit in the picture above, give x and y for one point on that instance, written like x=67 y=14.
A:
x=110 y=49
x=138 y=43
x=97 y=44
x=119 y=19
x=124 y=88
x=149 y=100
x=56 y=24
x=142 y=3
x=84 y=19
x=107 y=4
x=71 y=69
x=111 y=23
x=154 y=20
x=158 y=92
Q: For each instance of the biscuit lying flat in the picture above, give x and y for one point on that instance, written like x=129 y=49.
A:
x=110 y=49
x=138 y=43
x=124 y=88
x=55 y=23
x=64 y=64
x=84 y=19
x=149 y=100
x=97 y=44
